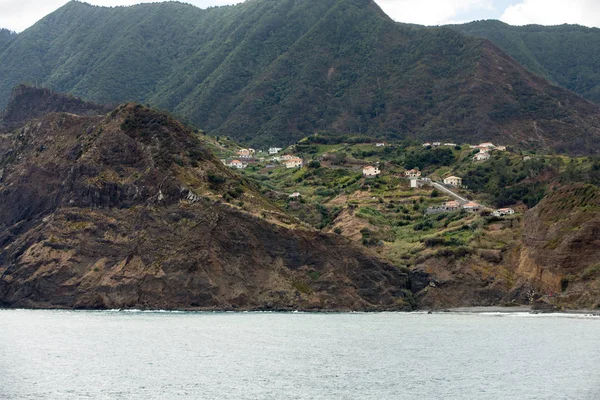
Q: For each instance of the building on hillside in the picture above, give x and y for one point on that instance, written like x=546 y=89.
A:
x=500 y=148
x=452 y=205
x=236 y=164
x=371 y=171
x=274 y=150
x=427 y=144
x=471 y=207
x=414 y=183
x=412 y=173
x=294 y=195
x=436 y=144
x=380 y=144
x=453 y=181
x=450 y=144
x=481 y=156
x=294 y=162
x=503 y=212
x=287 y=157
x=449 y=206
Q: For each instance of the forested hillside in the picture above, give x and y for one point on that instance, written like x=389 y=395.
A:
x=566 y=54
x=6 y=36
x=271 y=72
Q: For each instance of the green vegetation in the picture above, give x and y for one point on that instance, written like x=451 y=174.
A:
x=566 y=54
x=271 y=72
x=6 y=36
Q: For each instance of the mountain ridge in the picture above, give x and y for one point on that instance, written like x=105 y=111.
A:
x=270 y=73
x=563 y=54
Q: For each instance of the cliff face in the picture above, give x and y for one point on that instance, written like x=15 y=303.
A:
x=125 y=211
x=561 y=246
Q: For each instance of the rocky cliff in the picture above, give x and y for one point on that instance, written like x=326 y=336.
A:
x=127 y=210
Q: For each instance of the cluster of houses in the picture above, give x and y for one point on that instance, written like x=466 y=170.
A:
x=247 y=156
x=438 y=144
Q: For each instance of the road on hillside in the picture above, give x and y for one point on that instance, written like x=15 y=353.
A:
x=450 y=192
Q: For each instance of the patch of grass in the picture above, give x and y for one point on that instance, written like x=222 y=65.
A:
x=302 y=287
x=591 y=271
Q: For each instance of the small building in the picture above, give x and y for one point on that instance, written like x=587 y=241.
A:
x=294 y=162
x=371 y=171
x=436 y=144
x=236 y=164
x=500 y=148
x=427 y=144
x=274 y=150
x=414 y=183
x=481 y=156
x=503 y=212
x=294 y=195
x=413 y=173
x=243 y=152
x=471 y=207
x=286 y=157
x=379 y=144
x=453 y=181
x=450 y=144
x=451 y=205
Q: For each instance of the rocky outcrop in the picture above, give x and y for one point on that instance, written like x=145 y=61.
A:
x=126 y=210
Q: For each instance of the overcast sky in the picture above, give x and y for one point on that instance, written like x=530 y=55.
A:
x=20 y=14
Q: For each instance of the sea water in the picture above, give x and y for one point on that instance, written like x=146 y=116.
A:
x=153 y=355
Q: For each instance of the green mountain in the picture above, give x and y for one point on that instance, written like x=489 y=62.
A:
x=566 y=55
x=6 y=36
x=271 y=72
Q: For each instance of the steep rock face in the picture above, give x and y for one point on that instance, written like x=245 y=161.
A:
x=561 y=246
x=125 y=211
x=271 y=72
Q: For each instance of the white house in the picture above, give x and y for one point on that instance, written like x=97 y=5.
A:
x=436 y=144
x=294 y=195
x=413 y=173
x=450 y=144
x=236 y=164
x=294 y=162
x=286 y=157
x=379 y=144
x=426 y=144
x=482 y=156
x=503 y=211
x=453 y=181
x=274 y=150
x=371 y=171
